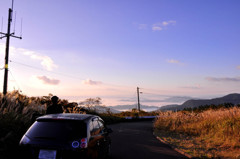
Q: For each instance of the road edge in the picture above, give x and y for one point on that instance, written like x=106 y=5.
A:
x=173 y=147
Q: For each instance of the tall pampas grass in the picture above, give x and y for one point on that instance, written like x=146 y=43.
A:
x=215 y=129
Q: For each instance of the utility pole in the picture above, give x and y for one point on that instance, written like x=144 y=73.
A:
x=138 y=99
x=7 y=35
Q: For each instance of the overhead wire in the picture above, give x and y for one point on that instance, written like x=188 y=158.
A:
x=1 y=28
x=37 y=68
x=66 y=75
x=21 y=27
x=15 y=81
x=14 y=26
x=59 y=73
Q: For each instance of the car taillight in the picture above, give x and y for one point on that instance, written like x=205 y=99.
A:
x=75 y=144
x=80 y=143
x=83 y=143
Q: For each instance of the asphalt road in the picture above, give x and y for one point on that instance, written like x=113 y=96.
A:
x=135 y=140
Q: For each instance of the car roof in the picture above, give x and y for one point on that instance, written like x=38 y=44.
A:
x=67 y=116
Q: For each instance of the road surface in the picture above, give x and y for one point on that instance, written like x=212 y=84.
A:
x=135 y=140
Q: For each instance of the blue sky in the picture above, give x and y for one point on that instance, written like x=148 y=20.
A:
x=82 y=49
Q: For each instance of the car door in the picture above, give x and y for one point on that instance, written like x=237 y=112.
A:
x=105 y=139
x=96 y=138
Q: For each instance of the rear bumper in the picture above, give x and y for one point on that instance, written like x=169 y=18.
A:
x=33 y=153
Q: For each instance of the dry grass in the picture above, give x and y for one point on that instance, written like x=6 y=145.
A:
x=15 y=102
x=212 y=133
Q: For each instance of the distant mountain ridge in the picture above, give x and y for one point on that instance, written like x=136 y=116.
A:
x=230 y=98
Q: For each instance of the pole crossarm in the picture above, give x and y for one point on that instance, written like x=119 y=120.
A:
x=16 y=36
x=12 y=35
x=3 y=37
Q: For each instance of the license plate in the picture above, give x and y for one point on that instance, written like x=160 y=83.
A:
x=47 y=154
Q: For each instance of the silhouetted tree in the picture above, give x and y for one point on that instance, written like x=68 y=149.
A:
x=91 y=102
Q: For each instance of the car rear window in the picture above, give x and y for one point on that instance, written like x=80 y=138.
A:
x=58 y=129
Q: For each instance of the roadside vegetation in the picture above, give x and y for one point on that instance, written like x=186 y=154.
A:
x=205 y=132
x=18 y=112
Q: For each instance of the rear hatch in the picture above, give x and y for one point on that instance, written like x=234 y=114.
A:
x=56 y=134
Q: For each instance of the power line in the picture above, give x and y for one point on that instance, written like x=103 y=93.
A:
x=37 y=68
x=15 y=80
x=62 y=74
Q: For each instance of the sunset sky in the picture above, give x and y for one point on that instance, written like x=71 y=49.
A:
x=76 y=49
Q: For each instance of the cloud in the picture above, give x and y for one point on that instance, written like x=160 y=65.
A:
x=162 y=25
x=156 y=27
x=170 y=99
x=159 y=26
x=177 y=99
x=46 y=61
x=223 y=79
x=192 y=87
x=47 y=80
x=91 y=82
x=238 y=67
x=170 y=22
x=142 y=26
x=172 y=61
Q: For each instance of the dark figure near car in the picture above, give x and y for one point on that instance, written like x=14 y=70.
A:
x=55 y=108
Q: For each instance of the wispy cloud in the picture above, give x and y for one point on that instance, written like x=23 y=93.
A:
x=91 y=82
x=223 y=79
x=173 y=61
x=238 y=67
x=48 y=80
x=191 y=87
x=170 y=22
x=194 y=87
x=162 y=25
x=157 y=27
x=142 y=26
x=169 y=99
x=46 y=61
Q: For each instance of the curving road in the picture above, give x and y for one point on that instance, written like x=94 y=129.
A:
x=135 y=140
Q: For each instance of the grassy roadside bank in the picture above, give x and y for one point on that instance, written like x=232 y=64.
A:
x=207 y=134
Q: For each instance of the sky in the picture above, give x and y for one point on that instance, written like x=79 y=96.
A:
x=76 y=49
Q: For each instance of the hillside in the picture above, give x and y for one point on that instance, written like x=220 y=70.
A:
x=231 y=98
